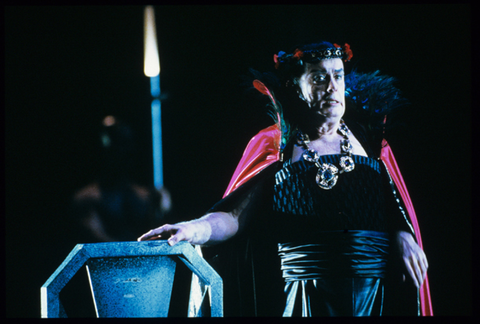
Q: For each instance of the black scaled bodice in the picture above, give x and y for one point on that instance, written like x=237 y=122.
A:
x=356 y=202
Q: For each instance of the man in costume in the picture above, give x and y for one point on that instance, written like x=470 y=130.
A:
x=316 y=207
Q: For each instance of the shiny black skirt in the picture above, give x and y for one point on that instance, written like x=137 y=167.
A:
x=341 y=274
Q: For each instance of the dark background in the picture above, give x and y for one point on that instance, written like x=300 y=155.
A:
x=67 y=67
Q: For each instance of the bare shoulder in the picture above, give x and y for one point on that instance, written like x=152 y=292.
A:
x=357 y=147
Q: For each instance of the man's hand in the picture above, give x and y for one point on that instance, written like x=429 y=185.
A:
x=210 y=229
x=196 y=232
x=413 y=257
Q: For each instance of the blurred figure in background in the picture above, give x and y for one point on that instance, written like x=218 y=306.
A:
x=114 y=207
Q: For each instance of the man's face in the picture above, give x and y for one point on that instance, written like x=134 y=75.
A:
x=323 y=87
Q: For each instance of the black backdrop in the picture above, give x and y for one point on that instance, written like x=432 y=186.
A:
x=67 y=67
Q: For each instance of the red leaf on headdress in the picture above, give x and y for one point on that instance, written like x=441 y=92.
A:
x=298 y=54
x=275 y=59
x=348 y=51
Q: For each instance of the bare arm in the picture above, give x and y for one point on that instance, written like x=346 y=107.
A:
x=208 y=230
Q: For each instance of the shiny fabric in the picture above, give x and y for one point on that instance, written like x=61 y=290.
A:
x=334 y=297
x=336 y=253
x=339 y=276
x=388 y=158
x=262 y=151
x=357 y=201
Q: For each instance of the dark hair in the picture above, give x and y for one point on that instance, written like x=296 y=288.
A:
x=289 y=66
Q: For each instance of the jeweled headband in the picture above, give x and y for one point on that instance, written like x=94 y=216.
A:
x=312 y=56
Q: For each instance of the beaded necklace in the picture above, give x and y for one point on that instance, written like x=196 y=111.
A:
x=327 y=174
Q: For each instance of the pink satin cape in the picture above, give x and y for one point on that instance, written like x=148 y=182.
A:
x=262 y=151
